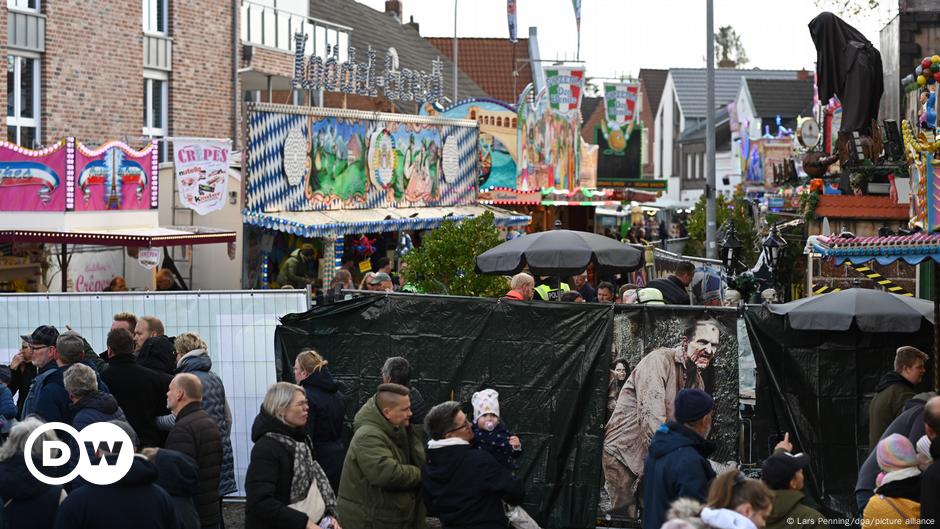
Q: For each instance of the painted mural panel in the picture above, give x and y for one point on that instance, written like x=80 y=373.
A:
x=32 y=180
x=549 y=155
x=344 y=161
x=115 y=176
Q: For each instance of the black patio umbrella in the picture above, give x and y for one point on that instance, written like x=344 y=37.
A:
x=871 y=310
x=559 y=253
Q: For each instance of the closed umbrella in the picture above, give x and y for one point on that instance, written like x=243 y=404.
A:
x=559 y=253
x=871 y=310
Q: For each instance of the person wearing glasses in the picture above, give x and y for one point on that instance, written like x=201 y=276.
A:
x=465 y=486
x=43 y=356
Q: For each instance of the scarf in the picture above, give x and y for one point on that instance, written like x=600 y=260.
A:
x=306 y=472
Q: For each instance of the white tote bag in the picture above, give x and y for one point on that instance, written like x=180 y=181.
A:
x=313 y=505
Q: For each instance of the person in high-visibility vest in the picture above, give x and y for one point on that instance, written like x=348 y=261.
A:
x=545 y=292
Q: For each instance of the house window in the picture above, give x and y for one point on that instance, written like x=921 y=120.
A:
x=155 y=110
x=701 y=166
x=29 y=5
x=23 y=100
x=689 y=167
x=155 y=16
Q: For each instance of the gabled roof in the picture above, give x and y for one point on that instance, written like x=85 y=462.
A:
x=489 y=62
x=589 y=106
x=777 y=97
x=690 y=86
x=697 y=131
x=383 y=31
x=654 y=82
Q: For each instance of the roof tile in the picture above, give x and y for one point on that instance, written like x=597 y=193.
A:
x=489 y=62
x=860 y=207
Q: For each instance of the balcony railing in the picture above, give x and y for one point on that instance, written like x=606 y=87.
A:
x=158 y=52
x=26 y=30
x=273 y=28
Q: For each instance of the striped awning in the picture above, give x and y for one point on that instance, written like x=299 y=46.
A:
x=912 y=249
x=375 y=220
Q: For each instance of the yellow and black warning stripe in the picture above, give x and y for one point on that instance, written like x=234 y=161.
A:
x=822 y=289
x=881 y=280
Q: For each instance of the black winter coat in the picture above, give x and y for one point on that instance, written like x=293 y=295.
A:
x=141 y=393
x=674 y=292
x=134 y=501
x=269 y=476
x=22 y=379
x=158 y=354
x=178 y=474
x=325 y=422
x=466 y=487
x=930 y=485
x=32 y=503
x=197 y=435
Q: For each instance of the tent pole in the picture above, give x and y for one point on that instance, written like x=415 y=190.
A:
x=64 y=268
x=936 y=324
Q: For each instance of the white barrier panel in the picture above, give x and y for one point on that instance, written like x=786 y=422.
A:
x=237 y=325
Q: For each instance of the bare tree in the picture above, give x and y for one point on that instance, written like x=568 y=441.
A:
x=728 y=47
x=849 y=8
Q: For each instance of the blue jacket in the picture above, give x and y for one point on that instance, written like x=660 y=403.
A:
x=497 y=444
x=325 y=422
x=676 y=467
x=53 y=403
x=134 y=501
x=97 y=407
x=32 y=503
x=198 y=363
x=32 y=397
x=7 y=406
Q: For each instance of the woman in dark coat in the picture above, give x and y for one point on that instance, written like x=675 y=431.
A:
x=282 y=469
x=26 y=501
x=327 y=409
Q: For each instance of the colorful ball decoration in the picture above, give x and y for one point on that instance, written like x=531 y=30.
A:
x=921 y=80
x=926 y=62
x=931 y=80
x=935 y=58
x=935 y=67
x=919 y=70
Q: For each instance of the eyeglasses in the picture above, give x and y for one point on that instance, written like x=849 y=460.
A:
x=466 y=424
x=32 y=348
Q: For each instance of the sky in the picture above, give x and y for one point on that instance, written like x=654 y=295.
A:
x=618 y=37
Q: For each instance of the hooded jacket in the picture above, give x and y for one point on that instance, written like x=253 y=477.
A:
x=269 y=477
x=893 y=390
x=791 y=513
x=325 y=422
x=466 y=487
x=676 y=467
x=381 y=474
x=141 y=393
x=198 y=363
x=930 y=485
x=134 y=501
x=910 y=424
x=197 y=435
x=178 y=474
x=53 y=403
x=691 y=514
x=96 y=407
x=158 y=354
x=26 y=501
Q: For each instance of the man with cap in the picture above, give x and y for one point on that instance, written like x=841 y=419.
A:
x=783 y=472
x=677 y=464
x=299 y=269
x=53 y=403
x=381 y=282
x=646 y=401
x=42 y=355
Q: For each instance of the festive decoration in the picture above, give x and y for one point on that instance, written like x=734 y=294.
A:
x=511 y=15
x=202 y=172
x=620 y=111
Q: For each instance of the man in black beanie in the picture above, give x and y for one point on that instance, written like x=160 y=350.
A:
x=677 y=464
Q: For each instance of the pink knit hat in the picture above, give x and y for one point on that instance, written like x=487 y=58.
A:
x=896 y=452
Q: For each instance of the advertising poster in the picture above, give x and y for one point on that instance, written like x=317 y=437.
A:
x=115 y=177
x=620 y=105
x=93 y=271
x=32 y=180
x=663 y=350
x=202 y=172
x=548 y=134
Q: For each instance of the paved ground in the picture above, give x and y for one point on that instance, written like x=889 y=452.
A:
x=234 y=513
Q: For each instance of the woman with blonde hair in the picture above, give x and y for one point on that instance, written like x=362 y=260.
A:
x=327 y=411
x=26 y=501
x=734 y=502
x=285 y=487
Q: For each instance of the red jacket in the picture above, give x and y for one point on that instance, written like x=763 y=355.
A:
x=515 y=294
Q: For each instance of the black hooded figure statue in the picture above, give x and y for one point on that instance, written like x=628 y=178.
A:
x=849 y=67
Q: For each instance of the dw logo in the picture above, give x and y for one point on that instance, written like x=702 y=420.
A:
x=102 y=436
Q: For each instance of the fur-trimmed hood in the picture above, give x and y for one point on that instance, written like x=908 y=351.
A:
x=684 y=514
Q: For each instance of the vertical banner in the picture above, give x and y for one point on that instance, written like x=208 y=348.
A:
x=565 y=85
x=511 y=14
x=201 y=168
x=577 y=20
x=115 y=176
x=32 y=180
x=620 y=112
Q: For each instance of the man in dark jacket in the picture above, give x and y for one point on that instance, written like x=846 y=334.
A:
x=584 y=287
x=42 y=355
x=674 y=287
x=676 y=466
x=53 y=403
x=910 y=424
x=197 y=435
x=397 y=370
x=930 y=479
x=88 y=404
x=464 y=486
x=325 y=424
x=894 y=389
x=139 y=391
x=154 y=349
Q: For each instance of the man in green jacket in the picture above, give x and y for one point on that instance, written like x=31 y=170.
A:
x=783 y=472
x=894 y=389
x=294 y=270
x=381 y=480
